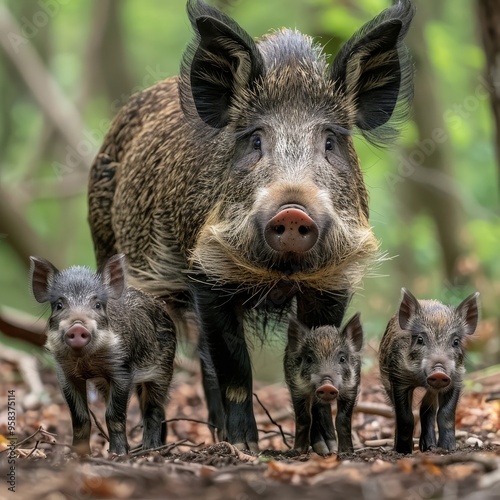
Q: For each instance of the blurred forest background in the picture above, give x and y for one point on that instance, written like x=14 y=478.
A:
x=66 y=67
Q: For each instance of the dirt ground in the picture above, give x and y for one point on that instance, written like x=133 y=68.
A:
x=190 y=466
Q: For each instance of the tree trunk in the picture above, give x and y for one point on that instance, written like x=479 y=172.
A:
x=489 y=26
x=429 y=184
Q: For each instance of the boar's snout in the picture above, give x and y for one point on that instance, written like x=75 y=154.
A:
x=77 y=336
x=291 y=230
x=438 y=378
x=327 y=392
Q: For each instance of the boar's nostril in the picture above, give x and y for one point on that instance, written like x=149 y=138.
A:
x=77 y=336
x=291 y=230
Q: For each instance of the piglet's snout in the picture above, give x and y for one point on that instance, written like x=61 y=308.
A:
x=327 y=392
x=77 y=336
x=438 y=379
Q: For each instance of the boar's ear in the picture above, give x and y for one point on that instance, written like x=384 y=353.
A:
x=408 y=307
x=373 y=70
x=296 y=332
x=114 y=275
x=221 y=60
x=468 y=310
x=354 y=332
x=42 y=273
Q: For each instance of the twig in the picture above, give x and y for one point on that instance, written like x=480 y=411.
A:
x=178 y=419
x=160 y=448
x=273 y=421
x=101 y=430
x=40 y=430
x=33 y=450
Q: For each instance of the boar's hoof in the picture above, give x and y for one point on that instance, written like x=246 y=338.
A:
x=77 y=336
x=327 y=393
x=438 y=380
x=291 y=230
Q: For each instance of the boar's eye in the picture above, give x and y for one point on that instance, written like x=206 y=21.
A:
x=420 y=340
x=257 y=142
x=342 y=359
x=330 y=143
x=309 y=359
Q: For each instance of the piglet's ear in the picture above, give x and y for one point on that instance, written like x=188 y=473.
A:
x=354 y=332
x=296 y=332
x=468 y=310
x=114 y=275
x=409 y=307
x=221 y=61
x=42 y=273
x=373 y=71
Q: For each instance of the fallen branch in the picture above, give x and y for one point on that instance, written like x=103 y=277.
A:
x=19 y=325
x=273 y=421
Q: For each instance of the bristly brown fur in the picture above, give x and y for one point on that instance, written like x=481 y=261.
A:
x=165 y=188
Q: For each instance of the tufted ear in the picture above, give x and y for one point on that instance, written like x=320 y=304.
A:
x=354 y=332
x=113 y=275
x=373 y=71
x=221 y=60
x=42 y=273
x=296 y=332
x=468 y=310
x=408 y=307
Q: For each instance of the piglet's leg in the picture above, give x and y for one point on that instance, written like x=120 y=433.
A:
x=116 y=415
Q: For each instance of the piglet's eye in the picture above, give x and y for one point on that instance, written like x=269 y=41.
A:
x=58 y=305
x=420 y=340
x=98 y=305
x=309 y=359
x=456 y=342
x=342 y=359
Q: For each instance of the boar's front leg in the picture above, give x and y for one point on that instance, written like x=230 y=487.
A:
x=446 y=418
x=402 y=397
x=322 y=430
x=75 y=394
x=303 y=419
x=224 y=349
x=151 y=399
x=428 y=409
x=343 y=422
x=116 y=413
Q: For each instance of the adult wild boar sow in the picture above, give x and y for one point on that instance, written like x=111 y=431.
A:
x=236 y=185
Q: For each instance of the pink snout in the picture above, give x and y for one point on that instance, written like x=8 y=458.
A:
x=291 y=230
x=438 y=380
x=77 y=337
x=327 y=392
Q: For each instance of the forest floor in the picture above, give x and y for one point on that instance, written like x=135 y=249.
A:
x=192 y=467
